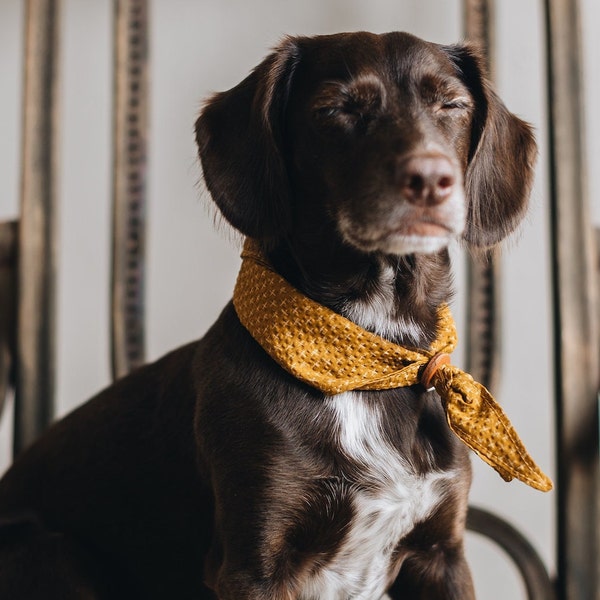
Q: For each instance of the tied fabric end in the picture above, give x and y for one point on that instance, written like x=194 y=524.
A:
x=478 y=420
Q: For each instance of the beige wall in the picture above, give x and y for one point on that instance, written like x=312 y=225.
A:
x=201 y=46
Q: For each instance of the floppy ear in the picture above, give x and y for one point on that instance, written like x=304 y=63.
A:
x=240 y=142
x=501 y=160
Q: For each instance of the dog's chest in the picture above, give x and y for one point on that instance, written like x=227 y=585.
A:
x=388 y=499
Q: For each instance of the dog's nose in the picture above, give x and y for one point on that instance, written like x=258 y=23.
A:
x=427 y=180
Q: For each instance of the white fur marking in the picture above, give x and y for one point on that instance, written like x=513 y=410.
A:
x=379 y=235
x=397 y=498
x=377 y=312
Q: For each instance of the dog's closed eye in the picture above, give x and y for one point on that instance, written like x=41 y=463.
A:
x=455 y=103
x=444 y=95
x=349 y=106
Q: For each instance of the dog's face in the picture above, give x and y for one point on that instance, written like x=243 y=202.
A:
x=398 y=143
x=388 y=122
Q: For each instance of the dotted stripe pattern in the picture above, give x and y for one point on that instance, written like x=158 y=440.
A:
x=334 y=355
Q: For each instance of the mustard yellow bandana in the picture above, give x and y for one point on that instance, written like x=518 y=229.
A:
x=334 y=355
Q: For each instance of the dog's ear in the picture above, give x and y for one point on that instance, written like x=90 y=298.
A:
x=502 y=157
x=240 y=142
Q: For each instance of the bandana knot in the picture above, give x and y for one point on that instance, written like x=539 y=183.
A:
x=432 y=367
x=334 y=355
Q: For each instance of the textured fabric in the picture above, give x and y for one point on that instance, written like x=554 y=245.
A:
x=334 y=355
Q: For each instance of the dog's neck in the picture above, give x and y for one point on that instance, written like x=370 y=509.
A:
x=394 y=297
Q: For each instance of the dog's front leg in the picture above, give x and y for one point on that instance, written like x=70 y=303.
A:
x=438 y=574
x=244 y=560
x=242 y=586
x=232 y=574
x=236 y=580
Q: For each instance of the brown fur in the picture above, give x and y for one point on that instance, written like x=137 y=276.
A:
x=212 y=473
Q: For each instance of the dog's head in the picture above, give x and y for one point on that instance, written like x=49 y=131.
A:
x=398 y=142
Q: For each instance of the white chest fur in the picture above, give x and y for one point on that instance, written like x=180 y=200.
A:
x=397 y=499
x=377 y=312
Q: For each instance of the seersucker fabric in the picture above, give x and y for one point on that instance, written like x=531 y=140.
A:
x=333 y=354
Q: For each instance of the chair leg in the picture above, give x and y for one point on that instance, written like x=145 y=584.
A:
x=130 y=125
x=35 y=372
x=576 y=327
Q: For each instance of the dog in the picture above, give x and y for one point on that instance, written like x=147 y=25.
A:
x=352 y=160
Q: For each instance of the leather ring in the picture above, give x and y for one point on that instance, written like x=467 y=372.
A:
x=431 y=368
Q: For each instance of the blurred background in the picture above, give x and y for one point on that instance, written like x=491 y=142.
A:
x=200 y=46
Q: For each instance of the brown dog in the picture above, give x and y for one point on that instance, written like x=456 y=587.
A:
x=353 y=160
